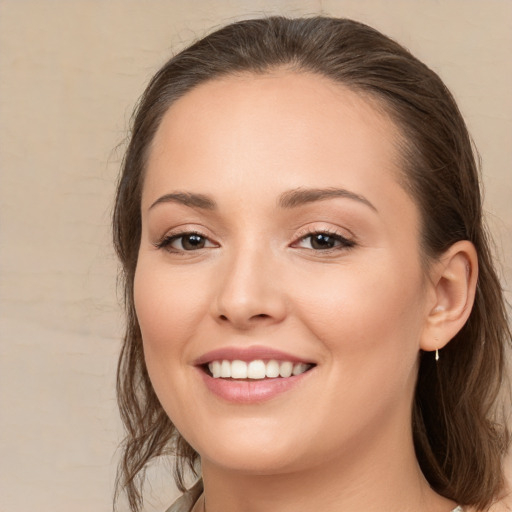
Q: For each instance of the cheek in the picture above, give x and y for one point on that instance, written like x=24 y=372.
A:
x=374 y=311
x=370 y=322
x=167 y=308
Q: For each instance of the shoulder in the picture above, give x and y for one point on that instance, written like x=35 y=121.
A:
x=504 y=505
x=185 y=502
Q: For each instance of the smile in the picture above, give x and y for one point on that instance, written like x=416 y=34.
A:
x=257 y=369
x=248 y=375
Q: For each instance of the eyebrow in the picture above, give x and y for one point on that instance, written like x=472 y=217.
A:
x=302 y=196
x=290 y=199
x=188 y=199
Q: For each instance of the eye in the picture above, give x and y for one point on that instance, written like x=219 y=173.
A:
x=190 y=241
x=324 y=241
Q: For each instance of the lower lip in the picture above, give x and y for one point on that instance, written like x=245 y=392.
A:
x=251 y=391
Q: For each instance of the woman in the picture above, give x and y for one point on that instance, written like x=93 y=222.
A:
x=314 y=319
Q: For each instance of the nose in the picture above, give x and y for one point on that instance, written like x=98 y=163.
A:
x=249 y=292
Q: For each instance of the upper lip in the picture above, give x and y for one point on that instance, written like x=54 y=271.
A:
x=248 y=354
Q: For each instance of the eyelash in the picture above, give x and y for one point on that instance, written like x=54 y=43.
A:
x=166 y=241
x=344 y=243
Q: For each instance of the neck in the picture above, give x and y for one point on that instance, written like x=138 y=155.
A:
x=376 y=476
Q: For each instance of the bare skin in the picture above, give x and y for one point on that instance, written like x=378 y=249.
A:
x=336 y=280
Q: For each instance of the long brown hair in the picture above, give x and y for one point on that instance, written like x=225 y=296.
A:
x=460 y=433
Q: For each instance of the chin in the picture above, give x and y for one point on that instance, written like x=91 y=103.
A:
x=252 y=462
x=252 y=453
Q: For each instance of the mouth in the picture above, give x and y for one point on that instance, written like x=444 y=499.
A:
x=257 y=369
x=252 y=375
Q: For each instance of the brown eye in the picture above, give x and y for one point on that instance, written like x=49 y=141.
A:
x=192 y=242
x=324 y=241
x=185 y=242
x=321 y=241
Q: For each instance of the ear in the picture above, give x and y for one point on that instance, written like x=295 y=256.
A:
x=453 y=280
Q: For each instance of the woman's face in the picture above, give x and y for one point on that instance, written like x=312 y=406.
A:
x=276 y=234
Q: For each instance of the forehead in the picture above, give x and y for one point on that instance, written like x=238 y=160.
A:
x=246 y=128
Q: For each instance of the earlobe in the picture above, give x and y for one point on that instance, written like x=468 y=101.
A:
x=453 y=278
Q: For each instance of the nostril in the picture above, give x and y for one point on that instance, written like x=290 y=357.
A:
x=252 y=320
x=224 y=318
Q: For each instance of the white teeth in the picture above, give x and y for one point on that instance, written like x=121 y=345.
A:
x=272 y=369
x=285 y=369
x=256 y=369
x=299 y=368
x=225 y=369
x=215 y=368
x=239 y=369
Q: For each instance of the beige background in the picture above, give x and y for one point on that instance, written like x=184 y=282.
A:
x=70 y=72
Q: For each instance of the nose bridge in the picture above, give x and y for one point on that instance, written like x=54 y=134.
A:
x=248 y=291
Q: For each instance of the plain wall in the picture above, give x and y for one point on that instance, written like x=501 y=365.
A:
x=70 y=73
